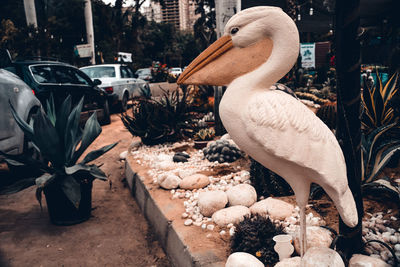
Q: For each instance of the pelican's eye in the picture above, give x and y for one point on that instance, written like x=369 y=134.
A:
x=234 y=30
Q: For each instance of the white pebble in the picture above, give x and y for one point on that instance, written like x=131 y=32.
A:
x=209 y=235
x=188 y=222
x=229 y=225
x=223 y=232
x=184 y=215
x=232 y=231
x=397 y=247
x=393 y=239
x=210 y=227
x=204 y=226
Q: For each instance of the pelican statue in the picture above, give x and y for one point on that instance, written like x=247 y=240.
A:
x=259 y=46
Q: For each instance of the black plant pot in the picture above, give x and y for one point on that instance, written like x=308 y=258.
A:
x=62 y=211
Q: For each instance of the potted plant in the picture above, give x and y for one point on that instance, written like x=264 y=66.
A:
x=202 y=137
x=67 y=185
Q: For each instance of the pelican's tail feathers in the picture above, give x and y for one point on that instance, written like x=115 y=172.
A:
x=346 y=207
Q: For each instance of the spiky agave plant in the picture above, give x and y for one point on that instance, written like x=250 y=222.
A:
x=61 y=142
x=377 y=110
x=159 y=121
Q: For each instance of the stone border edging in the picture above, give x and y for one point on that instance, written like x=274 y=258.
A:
x=169 y=238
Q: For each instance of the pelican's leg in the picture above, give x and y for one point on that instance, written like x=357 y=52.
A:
x=303 y=231
x=302 y=191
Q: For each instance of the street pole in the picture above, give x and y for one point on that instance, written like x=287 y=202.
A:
x=30 y=13
x=89 y=29
x=347 y=20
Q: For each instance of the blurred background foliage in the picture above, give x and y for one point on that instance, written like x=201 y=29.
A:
x=61 y=26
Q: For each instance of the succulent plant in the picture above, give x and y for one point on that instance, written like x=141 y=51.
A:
x=205 y=134
x=309 y=96
x=160 y=121
x=254 y=235
x=266 y=182
x=327 y=113
x=222 y=151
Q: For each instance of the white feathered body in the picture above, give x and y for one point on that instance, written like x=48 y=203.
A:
x=285 y=136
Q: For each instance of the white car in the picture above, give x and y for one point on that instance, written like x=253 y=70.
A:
x=119 y=81
x=176 y=71
x=13 y=90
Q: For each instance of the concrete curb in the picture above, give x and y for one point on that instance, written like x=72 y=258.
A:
x=170 y=239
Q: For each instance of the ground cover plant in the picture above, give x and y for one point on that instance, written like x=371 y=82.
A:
x=59 y=139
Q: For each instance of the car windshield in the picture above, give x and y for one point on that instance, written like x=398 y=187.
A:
x=143 y=71
x=100 y=72
x=46 y=74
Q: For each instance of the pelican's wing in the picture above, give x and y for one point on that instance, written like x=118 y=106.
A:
x=286 y=128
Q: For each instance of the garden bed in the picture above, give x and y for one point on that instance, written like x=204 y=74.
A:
x=191 y=245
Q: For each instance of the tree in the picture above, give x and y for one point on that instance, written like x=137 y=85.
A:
x=204 y=27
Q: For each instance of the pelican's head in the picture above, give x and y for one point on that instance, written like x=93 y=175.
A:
x=251 y=38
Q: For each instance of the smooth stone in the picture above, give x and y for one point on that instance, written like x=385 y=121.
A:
x=123 y=155
x=179 y=158
x=194 y=181
x=234 y=214
x=168 y=181
x=178 y=147
x=135 y=145
x=359 y=260
x=320 y=256
x=289 y=262
x=275 y=208
x=211 y=201
x=316 y=237
x=243 y=259
x=188 y=222
x=242 y=194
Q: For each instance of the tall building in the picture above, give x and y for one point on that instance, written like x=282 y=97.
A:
x=180 y=13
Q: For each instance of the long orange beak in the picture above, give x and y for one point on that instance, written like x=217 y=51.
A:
x=221 y=63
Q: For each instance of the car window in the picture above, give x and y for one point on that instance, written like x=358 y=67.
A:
x=124 y=72
x=57 y=74
x=100 y=72
x=143 y=71
x=43 y=74
x=130 y=72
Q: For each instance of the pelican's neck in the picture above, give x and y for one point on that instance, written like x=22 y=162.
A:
x=285 y=38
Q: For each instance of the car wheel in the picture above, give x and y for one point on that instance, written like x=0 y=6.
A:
x=106 y=113
x=124 y=103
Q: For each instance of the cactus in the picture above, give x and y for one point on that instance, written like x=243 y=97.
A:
x=205 y=134
x=266 y=182
x=309 y=96
x=327 y=113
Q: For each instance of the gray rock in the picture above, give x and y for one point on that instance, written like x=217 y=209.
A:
x=316 y=237
x=123 y=155
x=243 y=259
x=234 y=214
x=194 y=181
x=168 y=181
x=320 y=256
x=242 y=194
x=179 y=158
x=275 y=208
x=359 y=260
x=289 y=262
x=212 y=201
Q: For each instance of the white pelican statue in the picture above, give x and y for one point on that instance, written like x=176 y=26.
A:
x=259 y=46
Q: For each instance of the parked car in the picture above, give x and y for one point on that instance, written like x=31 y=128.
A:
x=144 y=74
x=175 y=71
x=119 y=81
x=61 y=80
x=21 y=97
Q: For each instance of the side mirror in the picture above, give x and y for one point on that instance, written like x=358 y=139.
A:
x=96 y=82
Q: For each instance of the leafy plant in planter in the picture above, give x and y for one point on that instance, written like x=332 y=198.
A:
x=67 y=185
x=160 y=121
x=202 y=137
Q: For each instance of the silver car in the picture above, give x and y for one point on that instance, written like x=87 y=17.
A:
x=13 y=89
x=119 y=81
